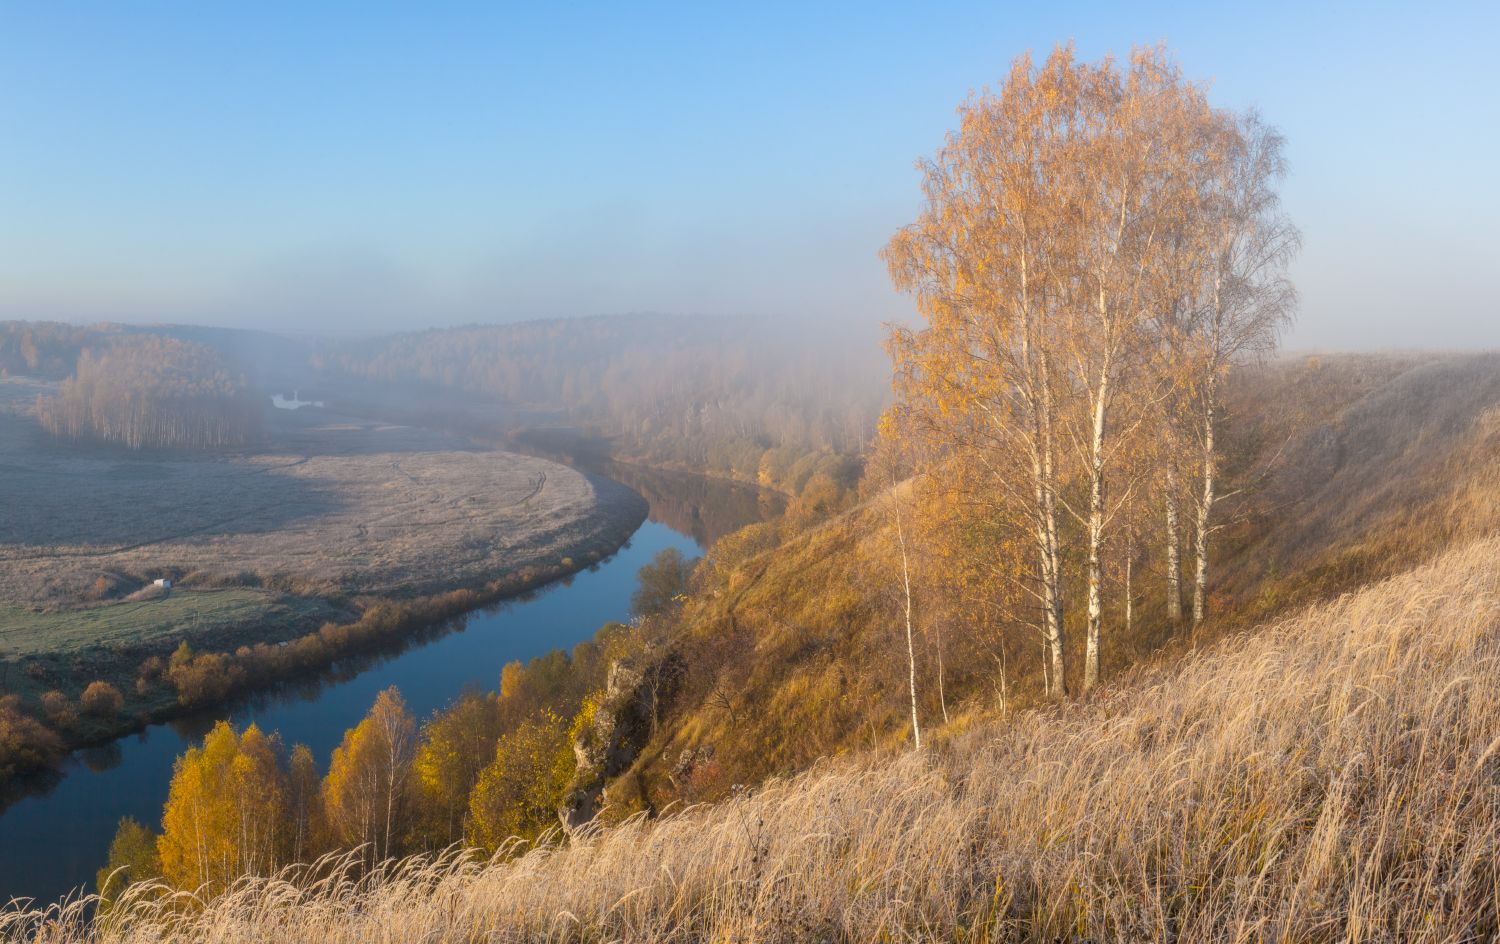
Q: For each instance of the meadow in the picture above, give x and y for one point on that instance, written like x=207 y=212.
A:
x=329 y=505
x=215 y=613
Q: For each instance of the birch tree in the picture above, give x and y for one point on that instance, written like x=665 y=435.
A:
x=1137 y=156
x=886 y=464
x=1097 y=245
x=983 y=376
x=367 y=792
x=1246 y=297
x=225 y=812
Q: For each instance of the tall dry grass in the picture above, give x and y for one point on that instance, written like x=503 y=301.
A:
x=1335 y=776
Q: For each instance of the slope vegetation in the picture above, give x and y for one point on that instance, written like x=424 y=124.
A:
x=1356 y=467
x=1344 y=470
x=1334 y=776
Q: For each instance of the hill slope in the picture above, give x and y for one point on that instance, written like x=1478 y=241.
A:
x=1344 y=470
x=1335 y=775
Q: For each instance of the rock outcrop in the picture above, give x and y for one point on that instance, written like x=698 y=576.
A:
x=635 y=694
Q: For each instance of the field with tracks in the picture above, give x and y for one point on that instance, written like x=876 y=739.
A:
x=326 y=515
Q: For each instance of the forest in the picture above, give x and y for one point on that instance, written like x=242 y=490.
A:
x=43 y=348
x=152 y=391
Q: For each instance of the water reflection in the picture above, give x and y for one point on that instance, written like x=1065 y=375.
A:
x=696 y=505
x=102 y=757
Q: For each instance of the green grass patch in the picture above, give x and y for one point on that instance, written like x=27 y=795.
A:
x=193 y=614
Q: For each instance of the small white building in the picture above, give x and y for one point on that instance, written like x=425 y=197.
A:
x=164 y=582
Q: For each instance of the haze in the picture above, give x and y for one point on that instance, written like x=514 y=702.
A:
x=351 y=169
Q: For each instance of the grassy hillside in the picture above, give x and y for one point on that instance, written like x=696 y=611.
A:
x=1334 y=776
x=1346 y=470
x=1356 y=467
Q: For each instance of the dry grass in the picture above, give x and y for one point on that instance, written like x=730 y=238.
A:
x=1334 y=777
x=1374 y=463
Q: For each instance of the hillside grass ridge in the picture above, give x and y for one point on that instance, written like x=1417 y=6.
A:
x=1335 y=776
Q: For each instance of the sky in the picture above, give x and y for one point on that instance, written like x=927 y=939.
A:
x=360 y=167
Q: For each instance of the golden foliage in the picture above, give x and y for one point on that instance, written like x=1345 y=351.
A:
x=1097 y=244
x=518 y=794
x=132 y=858
x=225 y=811
x=457 y=745
x=367 y=793
x=101 y=699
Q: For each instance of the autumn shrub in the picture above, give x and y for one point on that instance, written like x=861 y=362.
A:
x=59 y=709
x=518 y=794
x=457 y=744
x=25 y=743
x=101 y=699
x=133 y=858
x=203 y=678
x=662 y=583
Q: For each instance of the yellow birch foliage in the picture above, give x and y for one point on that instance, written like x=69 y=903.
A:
x=367 y=795
x=1047 y=265
x=226 y=811
x=457 y=745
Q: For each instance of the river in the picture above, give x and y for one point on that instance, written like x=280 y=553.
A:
x=54 y=837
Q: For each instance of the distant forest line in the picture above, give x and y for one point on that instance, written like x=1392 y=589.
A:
x=786 y=409
x=718 y=395
x=149 y=391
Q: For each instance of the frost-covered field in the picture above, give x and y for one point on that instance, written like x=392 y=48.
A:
x=329 y=506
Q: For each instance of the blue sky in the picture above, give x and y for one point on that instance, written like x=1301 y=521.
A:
x=364 y=166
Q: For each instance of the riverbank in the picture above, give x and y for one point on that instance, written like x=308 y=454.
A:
x=212 y=671
x=135 y=586
x=58 y=833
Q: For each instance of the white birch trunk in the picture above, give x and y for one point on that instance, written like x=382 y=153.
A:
x=911 y=654
x=1048 y=545
x=942 y=697
x=1096 y=538
x=1205 y=510
x=1174 y=559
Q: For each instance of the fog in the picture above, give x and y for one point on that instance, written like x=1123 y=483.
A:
x=348 y=172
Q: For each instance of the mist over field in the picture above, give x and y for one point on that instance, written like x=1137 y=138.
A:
x=683 y=473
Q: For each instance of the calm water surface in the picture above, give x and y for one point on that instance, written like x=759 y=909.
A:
x=54 y=839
